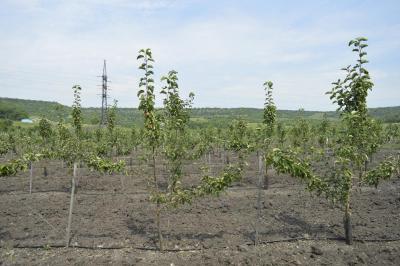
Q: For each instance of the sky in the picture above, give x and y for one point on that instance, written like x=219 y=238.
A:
x=223 y=50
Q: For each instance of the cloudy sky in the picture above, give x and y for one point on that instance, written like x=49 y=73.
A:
x=223 y=50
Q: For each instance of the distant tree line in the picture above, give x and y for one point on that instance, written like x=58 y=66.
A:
x=15 y=109
x=12 y=113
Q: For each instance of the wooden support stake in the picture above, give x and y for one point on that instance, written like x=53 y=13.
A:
x=30 y=177
x=71 y=206
x=260 y=184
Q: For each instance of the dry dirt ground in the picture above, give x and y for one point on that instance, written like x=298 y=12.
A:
x=113 y=223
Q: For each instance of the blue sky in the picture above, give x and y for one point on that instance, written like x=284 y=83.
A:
x=223 y=50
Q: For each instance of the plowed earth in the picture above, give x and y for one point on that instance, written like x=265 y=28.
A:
x=113 y=222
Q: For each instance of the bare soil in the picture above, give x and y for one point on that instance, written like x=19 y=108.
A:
x=113 y=222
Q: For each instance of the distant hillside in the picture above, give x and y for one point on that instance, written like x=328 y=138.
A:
x=387 y=114
x=219 y=117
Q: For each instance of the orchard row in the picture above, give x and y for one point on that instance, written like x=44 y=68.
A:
x=346 y=147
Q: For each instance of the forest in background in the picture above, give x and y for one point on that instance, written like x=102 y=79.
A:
x=16 y=109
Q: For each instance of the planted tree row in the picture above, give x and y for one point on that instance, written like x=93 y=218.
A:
x=345 y=148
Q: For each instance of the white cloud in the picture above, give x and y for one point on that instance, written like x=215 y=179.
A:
x=225 y=58
x=25 y=5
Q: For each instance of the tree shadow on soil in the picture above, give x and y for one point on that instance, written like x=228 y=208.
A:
x=4 y=235
x=146 y=228
x=295 y=227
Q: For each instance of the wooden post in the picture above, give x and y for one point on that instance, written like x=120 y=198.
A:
x=258 y=220
x=30 y=177
x=158 y=219
x=71 y=206
x=258 y=160
x=158 y=207
x=347 y=227
x=266 y=177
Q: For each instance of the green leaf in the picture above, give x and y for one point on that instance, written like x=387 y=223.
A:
x=140 y=92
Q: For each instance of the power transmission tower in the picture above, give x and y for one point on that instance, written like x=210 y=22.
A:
x=104 y=90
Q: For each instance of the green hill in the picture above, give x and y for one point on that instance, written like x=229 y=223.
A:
x=200 y=117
